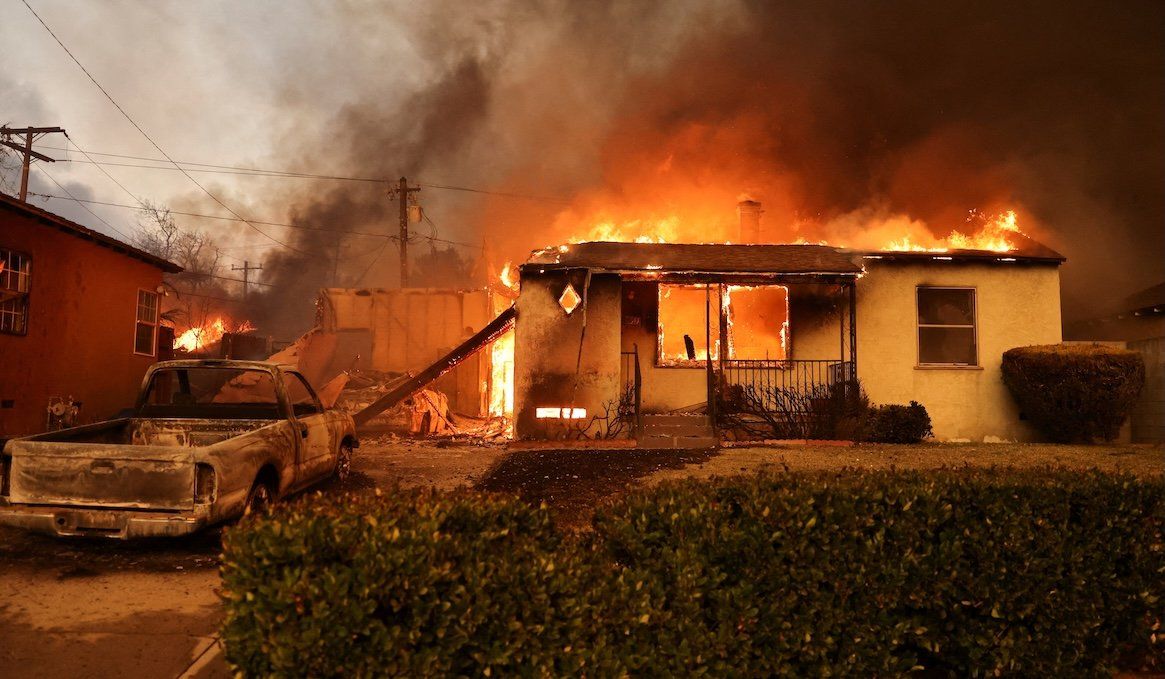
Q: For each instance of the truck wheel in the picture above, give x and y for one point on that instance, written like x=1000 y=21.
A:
x=259 y=500
x=344 y=462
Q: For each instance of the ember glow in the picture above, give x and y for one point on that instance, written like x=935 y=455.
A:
x=201 y=336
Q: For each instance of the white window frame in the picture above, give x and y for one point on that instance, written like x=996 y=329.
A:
x=138 y=321
x=919 y=325
x=25 y=288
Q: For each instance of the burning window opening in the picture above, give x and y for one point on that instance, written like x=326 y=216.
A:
x=565 y=413
x=682 y=312
x=757 y=323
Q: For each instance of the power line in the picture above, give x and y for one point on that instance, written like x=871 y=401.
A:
x=230 y=219
x=150 y=139
x=235 y=219
x=61 y=186
x=265 y=172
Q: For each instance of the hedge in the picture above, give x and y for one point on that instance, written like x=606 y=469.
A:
x=1075 y=392
x=898 y=424
x=971 y=573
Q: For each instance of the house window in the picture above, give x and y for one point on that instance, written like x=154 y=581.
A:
x=758 y=322
x=145 y=337
x=757 y=328
x=684 y=322
x=15 y=276
x=946 y=327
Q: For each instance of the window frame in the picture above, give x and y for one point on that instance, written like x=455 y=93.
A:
x=919 y=325
x=27 y=297
x=138 y=321
x=319 y=405
x=684 y=363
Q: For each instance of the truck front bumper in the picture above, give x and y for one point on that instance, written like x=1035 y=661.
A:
x=118 y=524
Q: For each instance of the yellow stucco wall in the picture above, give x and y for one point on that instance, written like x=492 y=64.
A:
x=1016 y=305
x=550 y=370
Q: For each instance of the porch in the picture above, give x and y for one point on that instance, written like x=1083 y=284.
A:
x=618 y=339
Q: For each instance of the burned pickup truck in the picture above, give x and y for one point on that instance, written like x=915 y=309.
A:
x=208 y=441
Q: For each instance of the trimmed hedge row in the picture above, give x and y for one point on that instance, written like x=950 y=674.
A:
x=1075 y=392
x=898 y=424
x=875 y=573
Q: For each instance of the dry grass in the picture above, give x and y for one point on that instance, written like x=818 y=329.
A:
x=1142 y=460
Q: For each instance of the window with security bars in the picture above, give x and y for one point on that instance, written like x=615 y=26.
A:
x=15 y=280
x=146 y=330
x=947 y=335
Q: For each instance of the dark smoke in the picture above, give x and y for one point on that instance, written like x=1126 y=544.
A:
x=822 y=110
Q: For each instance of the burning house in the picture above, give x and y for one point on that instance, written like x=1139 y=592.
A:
x=660 y=340
x=79 y=320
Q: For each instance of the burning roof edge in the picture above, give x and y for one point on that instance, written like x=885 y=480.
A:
x=56 y=221
x=1029 y=250
x=697 y=258
x=757 y=258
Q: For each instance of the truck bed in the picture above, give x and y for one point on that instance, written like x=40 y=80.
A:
x=128 y=463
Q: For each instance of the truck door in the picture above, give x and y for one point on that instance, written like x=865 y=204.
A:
x=318 y=449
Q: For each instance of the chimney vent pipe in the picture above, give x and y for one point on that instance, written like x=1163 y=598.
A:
x=749 y=212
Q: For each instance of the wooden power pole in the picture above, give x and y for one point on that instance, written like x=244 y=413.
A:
x=29 y=134
x=246 y=268
x=402 y=194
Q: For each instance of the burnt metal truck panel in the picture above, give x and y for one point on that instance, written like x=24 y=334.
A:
x=101 y=475
x=159 y=476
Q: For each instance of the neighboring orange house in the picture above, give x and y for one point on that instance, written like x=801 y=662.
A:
x=79 y=316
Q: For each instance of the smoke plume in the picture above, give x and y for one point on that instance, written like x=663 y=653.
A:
x=851 y=122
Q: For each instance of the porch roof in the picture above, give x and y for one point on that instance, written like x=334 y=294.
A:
x=699 y=259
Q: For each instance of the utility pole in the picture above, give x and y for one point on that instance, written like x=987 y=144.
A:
x=30 y=133
x=402 y=195
x=246 y=268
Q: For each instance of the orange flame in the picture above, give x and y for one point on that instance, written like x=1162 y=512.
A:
x=201 y=336
x=501 y=395
x=993 y=235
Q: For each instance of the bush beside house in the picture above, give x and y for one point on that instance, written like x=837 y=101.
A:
x=974 y=573
x=1075 y=392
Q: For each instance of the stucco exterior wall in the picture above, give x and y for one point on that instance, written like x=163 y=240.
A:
x=80 y=340
x=1016 y=305
x=546 y=352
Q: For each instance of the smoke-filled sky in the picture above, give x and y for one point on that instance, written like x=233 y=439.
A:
x=851 y=122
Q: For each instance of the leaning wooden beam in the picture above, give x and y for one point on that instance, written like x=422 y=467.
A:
x=481 y=339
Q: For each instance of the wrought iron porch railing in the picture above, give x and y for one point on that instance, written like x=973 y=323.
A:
x=631 y=392
x=783 y=399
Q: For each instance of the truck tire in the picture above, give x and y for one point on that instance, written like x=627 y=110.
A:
x=343 y=462
x=259 y=500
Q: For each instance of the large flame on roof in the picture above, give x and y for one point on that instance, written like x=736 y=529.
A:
x=994 y=234
x=895 y=233
x=201 y=336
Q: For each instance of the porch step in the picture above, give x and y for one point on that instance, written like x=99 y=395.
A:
x=657 y=442
x=649 y=419
x=677 y=431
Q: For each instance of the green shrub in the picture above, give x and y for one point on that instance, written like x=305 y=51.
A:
x=898 y=424
x=1075 y=392
x=414 y=584
x=969 y=573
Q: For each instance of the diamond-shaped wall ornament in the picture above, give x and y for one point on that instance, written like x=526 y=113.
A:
x=569 y=300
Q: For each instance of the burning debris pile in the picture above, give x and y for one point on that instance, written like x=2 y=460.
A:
x=425 y=413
